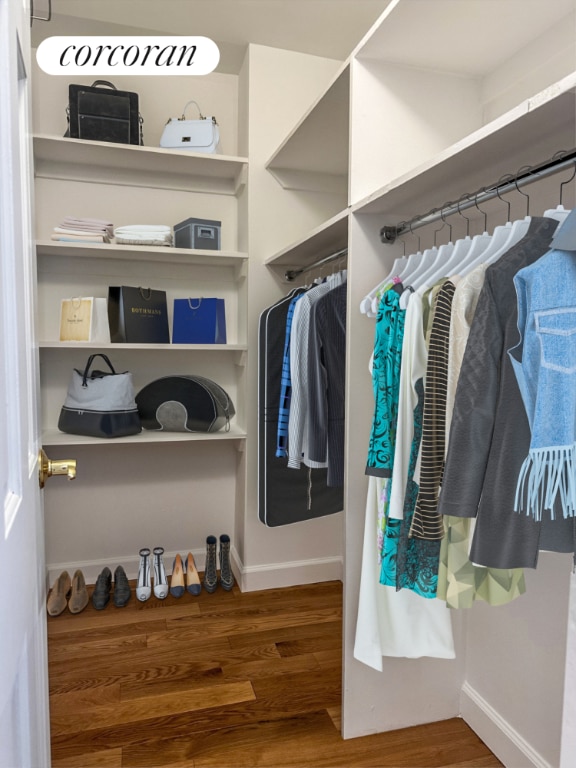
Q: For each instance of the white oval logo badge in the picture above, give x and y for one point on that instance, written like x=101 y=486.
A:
x=92 y=55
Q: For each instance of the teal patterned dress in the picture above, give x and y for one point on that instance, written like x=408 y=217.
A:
x=389 y=335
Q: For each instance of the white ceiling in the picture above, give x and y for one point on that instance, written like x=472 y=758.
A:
x=329 y=28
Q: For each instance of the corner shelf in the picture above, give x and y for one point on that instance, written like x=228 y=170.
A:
x=302 y=162
x=329 y=237
x=131 y=165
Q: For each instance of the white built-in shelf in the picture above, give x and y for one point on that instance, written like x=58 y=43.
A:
x=330 y=237
x=521 y=137
x=140 y=253
x=314 y=156
x=146 y=437
x=144 y=347
x=131 y=165
x=467 y=38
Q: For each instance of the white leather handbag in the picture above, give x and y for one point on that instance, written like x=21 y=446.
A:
x=202 y=135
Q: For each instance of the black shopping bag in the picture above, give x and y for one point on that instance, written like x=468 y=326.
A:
x=138 y=315
x=199 y=321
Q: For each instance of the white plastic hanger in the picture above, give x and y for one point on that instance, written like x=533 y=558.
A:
x=397 y=267
x=509 y=234
x=560 y=213
x=369 y=304
x=436 y=265
x=411 y=265
x=478 y=246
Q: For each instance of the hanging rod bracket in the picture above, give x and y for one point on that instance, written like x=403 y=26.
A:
x=388 y=234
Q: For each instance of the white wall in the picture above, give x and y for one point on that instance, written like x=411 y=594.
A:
x=516 y=656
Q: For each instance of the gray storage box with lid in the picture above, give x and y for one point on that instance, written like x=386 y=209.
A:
x=198 y=233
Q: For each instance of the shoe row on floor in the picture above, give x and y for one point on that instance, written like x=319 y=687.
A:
x=72 y=593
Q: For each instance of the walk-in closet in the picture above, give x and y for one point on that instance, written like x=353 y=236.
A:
x=442 y=122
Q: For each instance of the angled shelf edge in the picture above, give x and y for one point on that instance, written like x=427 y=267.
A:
x=140 y=253
x=314 y=155
x=146 y=437
x=131 y=165
x=329 y=237
x=531 y=119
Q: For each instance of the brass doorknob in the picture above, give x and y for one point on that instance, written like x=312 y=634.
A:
x=47 y=468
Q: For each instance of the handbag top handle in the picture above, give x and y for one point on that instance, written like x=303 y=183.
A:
x=103 y=82
x=202 y=117
x=89 y=363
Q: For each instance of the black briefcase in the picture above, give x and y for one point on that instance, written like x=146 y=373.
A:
x=100 y=112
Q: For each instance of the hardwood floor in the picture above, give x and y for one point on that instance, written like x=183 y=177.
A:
x=227 y=680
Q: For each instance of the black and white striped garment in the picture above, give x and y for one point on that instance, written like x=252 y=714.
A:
x=427 y=523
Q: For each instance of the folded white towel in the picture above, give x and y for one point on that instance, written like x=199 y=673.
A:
x=86 y=238
x=130 y=229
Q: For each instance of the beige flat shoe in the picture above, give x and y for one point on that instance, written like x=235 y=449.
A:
x=79 y=597
x=58 y=597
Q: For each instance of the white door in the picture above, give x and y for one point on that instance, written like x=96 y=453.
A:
x=24 y=723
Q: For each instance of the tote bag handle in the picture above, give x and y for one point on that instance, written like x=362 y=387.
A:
x=89 y=363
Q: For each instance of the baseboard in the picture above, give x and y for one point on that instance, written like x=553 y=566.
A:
x=508 y=745
x=288 y=574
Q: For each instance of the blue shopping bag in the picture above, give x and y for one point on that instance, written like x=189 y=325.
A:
x=199 y=321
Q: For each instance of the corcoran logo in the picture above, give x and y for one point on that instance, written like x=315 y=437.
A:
x=60 y=55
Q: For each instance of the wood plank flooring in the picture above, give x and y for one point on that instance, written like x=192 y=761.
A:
x=227 y=680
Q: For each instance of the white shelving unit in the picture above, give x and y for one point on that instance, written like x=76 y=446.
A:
x=132 y=165
x=203 y=474
x=146 y=437
x=111 y=251
x=439 y=99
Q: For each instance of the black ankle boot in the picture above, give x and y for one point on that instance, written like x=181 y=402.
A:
x=226 y=575
x=210 y=572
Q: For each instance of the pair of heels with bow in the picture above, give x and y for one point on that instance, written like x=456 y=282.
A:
x=184 y=575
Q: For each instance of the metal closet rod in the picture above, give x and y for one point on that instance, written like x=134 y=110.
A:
x=290 y=274
x=529 y=174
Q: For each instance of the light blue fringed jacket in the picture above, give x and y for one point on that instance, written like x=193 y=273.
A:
x=544 y=362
